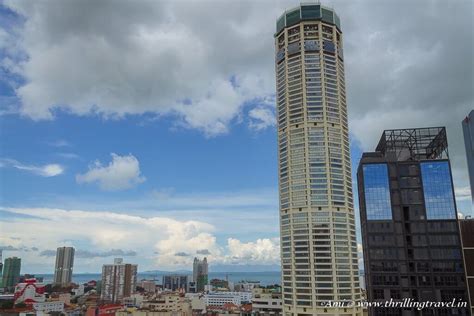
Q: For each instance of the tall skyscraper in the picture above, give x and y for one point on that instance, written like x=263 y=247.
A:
x=468 y=129
x=1 y=266
x=318 y=245
x=410 y=231
x=119 y=280
x=467 y=237
x=64 y=266
x=200 y=274
x=11 y=273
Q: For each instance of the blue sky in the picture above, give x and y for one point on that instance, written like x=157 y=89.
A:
x=152 y=135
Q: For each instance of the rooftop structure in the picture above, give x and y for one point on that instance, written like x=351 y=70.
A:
x=307 y=12
x=414 y=143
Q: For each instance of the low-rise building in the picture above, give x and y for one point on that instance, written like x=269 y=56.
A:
x=135 y=300
x=29 y=292
x=246 y=286
x=64 y=297
x=221 y=298
x=219 y=284
x=192 y=287
x=104 y=310
x=43 y=308
x=148 y=285
x=168 y=302
x=266 y=302
x=79 y=290
x=198 y=305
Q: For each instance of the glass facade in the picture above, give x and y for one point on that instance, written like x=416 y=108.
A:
x=409 y=229
x=377 y=192
x=307 y=12
x=438 y=190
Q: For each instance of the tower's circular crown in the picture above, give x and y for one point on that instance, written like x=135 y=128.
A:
x=307 y=12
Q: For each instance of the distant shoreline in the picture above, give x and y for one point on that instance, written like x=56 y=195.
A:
x=265 y=278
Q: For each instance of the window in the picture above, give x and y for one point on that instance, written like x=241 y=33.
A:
x=438 y=190
x=377 y=192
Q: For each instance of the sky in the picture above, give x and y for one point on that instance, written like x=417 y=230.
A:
x=146 y=130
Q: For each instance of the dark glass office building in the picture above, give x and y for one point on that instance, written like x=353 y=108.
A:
x=467 y=238
x=468 y=130
x=410 y=230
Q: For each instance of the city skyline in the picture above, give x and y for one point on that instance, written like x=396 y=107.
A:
x=210 y=171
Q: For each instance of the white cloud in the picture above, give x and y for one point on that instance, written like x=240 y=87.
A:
x=255 y=209
x=123 y=172
x=68 y=155
x=159 y=242
x=157 y=58
x=463 y=194
x=48 y=170
x=59 y=143
x=261 y=118
x=262 y=250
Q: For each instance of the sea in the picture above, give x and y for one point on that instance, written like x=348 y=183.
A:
x=265 y=278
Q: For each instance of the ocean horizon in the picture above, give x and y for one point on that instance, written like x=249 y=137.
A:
x=265 y=278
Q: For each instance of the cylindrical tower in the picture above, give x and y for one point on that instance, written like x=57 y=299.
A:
x=317 y=225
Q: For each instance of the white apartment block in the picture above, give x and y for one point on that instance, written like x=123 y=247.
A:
x=221 y=298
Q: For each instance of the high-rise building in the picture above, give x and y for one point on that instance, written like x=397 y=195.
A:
x=318 y=245
x=175 y=282
x=467 y=237
x=200 y=274
x=64 y=266
x=1 y=267
x=11 y=273
x=468 y=129
x=410 y=232
x=119 y=280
